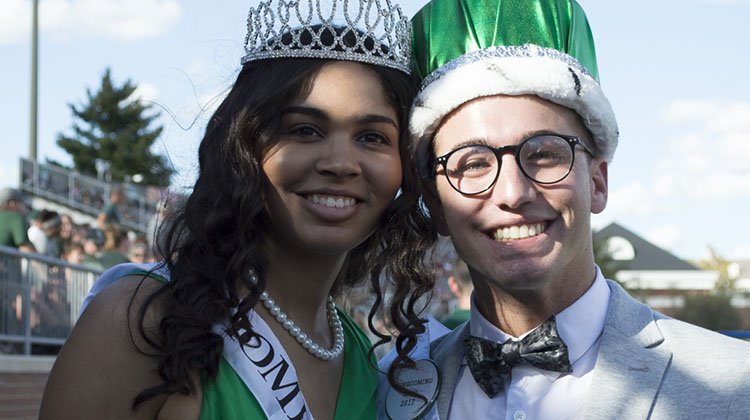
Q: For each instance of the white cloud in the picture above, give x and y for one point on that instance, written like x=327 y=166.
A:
x=688 y=110
x=146 y=92
x=200 y=68
x=15 y=21
x=715 y=115
x=730 y=117
x=664 y=185
x=630 y=200
x=709 y=153
x=121 y=20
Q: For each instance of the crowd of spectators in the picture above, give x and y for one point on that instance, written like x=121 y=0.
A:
x=54 y=234
x=56 y=288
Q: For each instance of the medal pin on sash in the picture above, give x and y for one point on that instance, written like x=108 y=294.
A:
x=422 y=379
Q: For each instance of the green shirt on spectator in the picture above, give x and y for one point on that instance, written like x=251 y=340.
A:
x=13 y=229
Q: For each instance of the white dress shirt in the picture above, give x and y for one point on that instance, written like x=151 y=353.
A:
x=38 y=238
x=530 y=392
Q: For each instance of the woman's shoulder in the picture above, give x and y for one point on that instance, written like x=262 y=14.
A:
x=124 y=274
x=108 y=356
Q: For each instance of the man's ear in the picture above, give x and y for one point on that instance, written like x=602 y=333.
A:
x=599 y=185
x=432 y=201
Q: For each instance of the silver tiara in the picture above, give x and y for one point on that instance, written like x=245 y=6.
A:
x=369 y=31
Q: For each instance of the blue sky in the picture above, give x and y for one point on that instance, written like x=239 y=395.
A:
x=674 y=70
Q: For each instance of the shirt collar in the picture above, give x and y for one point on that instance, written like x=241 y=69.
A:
x=579 y=325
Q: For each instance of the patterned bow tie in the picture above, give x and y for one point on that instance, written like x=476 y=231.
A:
x=490 y=362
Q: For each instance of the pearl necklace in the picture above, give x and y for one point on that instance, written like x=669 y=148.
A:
x=302 y=338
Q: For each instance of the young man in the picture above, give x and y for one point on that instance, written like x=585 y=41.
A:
x=13 y=226
x=111 y=213
x=514 y=135
x=461 y=287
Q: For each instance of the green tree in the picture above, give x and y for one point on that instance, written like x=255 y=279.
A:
x=716 y=262
x=713 y=311
x=113 y=127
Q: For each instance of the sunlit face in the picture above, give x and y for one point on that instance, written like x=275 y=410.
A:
x=336 y=166
x=519 y=234
x=66 y=226
x=75 y=256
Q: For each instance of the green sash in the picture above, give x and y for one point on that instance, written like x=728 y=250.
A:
x=227 y=398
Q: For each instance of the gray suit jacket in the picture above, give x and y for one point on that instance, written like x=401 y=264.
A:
x=648 y=366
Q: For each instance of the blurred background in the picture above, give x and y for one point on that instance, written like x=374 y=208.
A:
x=142 y=77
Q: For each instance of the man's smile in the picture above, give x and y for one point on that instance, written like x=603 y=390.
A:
x=514 y=232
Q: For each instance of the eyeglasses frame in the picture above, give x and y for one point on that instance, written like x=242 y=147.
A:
x=572 y=141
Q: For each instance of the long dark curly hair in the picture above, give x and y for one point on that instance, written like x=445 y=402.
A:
x=215 y=238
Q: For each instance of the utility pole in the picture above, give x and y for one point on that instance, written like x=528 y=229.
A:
x=34 y=77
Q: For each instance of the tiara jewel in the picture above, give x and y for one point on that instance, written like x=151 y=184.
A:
x=369 y=31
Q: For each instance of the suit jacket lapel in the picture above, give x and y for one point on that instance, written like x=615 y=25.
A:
x=448 y=353
x=630 y=363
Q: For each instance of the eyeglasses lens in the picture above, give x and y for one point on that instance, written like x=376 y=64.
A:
x=544 y=159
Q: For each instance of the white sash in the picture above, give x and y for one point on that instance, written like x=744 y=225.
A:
x=433 y=331
x=263 y=366
x=267 y=371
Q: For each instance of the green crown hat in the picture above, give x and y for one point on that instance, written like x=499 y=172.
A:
x=466 y=49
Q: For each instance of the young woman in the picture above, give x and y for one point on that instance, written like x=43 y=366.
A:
x=304 y=189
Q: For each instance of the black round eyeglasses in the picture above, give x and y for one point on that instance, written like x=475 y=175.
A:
x=544 y=159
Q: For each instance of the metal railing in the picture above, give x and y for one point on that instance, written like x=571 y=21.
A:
x=40 y=297
x=88 y=194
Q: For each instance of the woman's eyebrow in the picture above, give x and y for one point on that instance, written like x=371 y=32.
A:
x=306 y=110
x=318 y=113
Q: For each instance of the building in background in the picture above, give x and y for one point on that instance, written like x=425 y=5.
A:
x=666 y=282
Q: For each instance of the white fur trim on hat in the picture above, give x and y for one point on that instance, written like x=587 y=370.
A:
x=546 y=73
